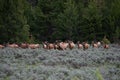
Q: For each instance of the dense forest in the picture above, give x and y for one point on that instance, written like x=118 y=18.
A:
x=77 y=20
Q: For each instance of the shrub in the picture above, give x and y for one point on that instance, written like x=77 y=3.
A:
x=105 y=40
x=99 y=75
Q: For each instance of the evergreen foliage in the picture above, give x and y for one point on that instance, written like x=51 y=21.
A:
x=105 y=40
x=83 y=20
x=13 y=23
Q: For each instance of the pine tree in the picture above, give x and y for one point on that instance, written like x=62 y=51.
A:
x=67 y=21
x=13 y=21
x=111 y=18
x=92 y=26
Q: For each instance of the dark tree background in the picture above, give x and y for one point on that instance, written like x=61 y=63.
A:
x=83 y=20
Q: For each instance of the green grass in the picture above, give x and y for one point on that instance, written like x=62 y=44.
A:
x=99 y=75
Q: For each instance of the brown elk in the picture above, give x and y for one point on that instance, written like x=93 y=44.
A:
x=63 y=45
x=85 y=45
x=1 y=46
x=80 y=46
x=12 y=45
x=50 y=46
x=95 y=45
x=45 y=45
x=56 y=46
x=99 y=44
x=106 y=46
x=71 y=44
x=24 y=45
x=33 y=46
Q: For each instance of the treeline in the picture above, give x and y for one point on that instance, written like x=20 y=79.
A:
x=77 y=20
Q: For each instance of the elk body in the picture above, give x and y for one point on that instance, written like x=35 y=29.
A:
x=63 y=45
x=71 y=44
x=95 y=45
x=13 y=45
x=79 y=45
x=33 y=46
x=99 y=44
x=50 y=46
x=56 y=46
x=47 y=45
x=85 y=45
x=106 y=46
x=24 y=45
x=1 y=46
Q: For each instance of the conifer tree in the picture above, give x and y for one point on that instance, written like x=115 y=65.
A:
x=67 y=21
x=14 y=27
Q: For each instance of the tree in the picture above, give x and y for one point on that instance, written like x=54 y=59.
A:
x=42 y=18
x=111 y=19
x=117 y=35
x=67 y=22
x=13 y=21
x=59 y=19
x=92 y=26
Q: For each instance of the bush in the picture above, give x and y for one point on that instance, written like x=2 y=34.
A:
x=105 y=40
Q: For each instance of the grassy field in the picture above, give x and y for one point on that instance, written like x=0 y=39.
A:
x=76 y=64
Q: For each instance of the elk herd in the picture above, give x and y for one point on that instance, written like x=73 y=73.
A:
x=60 y=45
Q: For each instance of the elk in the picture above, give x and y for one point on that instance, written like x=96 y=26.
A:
x=34 y=46
x=99 y=44
x=80 y=46
x=45 y=45
x=50 y=46
x=13 y=45
x=56 y=45
x=94 y=45
x=85 y=45
x=1 y=46
x=71 y=44
x=63 y=45
x=106 y=46
x=24 y=45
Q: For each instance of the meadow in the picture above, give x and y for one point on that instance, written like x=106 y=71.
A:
x=76 y=64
